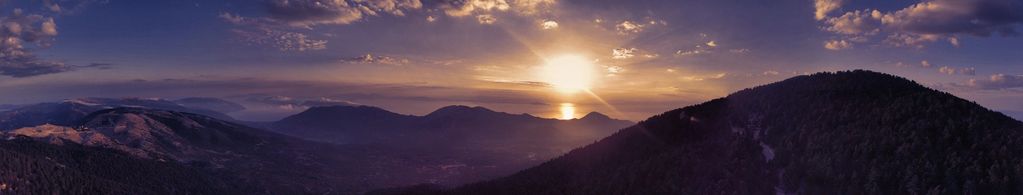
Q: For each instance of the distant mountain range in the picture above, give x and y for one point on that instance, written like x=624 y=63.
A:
x=854 y=132
x=225 y=157
x=477 y=142
x=70 y=111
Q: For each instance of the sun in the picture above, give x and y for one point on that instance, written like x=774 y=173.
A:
x=567 y=111
x=569 y=73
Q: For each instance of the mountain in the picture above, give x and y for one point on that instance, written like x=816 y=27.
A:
x=70 y=111
x=214 y=104
x=851 y=132
x=455 y=144
x=358 y=124
x=259 y=160
x=344 y=124
x=235 y=156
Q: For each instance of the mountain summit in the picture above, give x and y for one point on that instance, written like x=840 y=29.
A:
x=852 y=132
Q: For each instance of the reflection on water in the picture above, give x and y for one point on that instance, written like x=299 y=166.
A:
x=567 y=111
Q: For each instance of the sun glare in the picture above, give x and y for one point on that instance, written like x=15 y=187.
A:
x=569 y=73
x=567 y=111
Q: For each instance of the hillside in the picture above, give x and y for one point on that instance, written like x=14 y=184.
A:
x=854 y=132
x=37 y=168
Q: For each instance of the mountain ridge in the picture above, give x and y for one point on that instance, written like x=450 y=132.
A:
x=849 y=132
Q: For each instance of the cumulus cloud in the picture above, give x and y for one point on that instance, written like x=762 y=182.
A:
x=287 y=23
x=549 y=24
x=470 y=7
x=998 y=81
x=20 y=34
x=614 y=70
x=286 y=19
x=931 y=21
x=486 y=19
x=623 y=53
x=947 y=70
x=856 y=23
x=628 y=27
x=837 y=45
x=952 y=70
x=307 y=13
x=823 y=7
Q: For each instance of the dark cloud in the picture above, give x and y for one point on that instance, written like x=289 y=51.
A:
x=931 y=21
x=949 y=17
x=101 y=66
x=19 y=33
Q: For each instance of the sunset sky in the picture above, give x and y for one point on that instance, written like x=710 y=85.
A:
x=626 y=58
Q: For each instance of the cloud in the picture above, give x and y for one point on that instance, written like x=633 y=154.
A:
x=968 y=71
x=614 y=70
x=702 y=77
x=931 y=21
x=947 y=70
x=371 y=59
x=288 y=24
x=308 y=13
x=549 y=24
x=286 y=20
x=264 y=31
x=20 y=34
x=282 y=40
x=742 y=50
x=629 y=27
x=623 y=53
x=486 y=19
x=998 y=81
x=925 y=64
x=952 y=70
x=837 y=45
x=823 y=7
x=856 y=23
x=770 y=72
x=947 y=17
x=712 y=44
x=470 y=7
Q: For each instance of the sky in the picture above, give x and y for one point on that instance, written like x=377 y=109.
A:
x=628 y=59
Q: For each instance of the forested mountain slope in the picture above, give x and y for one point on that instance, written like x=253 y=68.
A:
x=853 y=132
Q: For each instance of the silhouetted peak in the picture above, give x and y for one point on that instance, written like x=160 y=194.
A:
x=459 y=110
x=595 y=116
